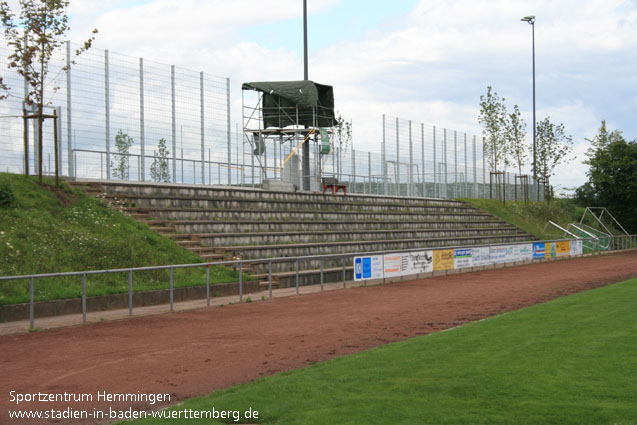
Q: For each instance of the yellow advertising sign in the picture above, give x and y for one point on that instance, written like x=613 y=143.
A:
x=443 y=259
x=563 y=248
x=547 y=250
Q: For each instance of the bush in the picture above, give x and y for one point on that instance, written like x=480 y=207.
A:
x=7 y=197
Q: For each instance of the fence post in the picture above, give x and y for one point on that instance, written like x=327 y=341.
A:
x=436 y=191
x=475 y=171
x=411 y=163
x=208 y=285
x=130 y=292
x=173 y=106
x=142 y=164
x=31 y=307
x=107 y=113
x=171 y=290
x=240 y=281
x=422 y=151
x=344 y=261
x=444 y=156
x=84 y=298
x=230 y=135
x=297 y=276
x=322 y=274
x=397 y=156
x=384 y=159
x=270 y=278
x=369 y=170
x=69 y=132
x=203 y=131
x=455 y=163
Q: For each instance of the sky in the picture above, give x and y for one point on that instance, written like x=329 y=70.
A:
x=428 y=60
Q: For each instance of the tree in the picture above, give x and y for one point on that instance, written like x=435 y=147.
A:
x=552 y=148
x=612 y=176
x=34 y=37
x=123 y=143
x=515 y=135
x=159 y=168
x=493 y=116
x=4 y=90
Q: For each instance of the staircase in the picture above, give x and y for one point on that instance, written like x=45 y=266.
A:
x=227 y=222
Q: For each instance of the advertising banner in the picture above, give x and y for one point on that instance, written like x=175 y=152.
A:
x=539 y=250
x=576 y=248
x=368 y=267
x=443 y=259
x=525 y=252
x=420 y=262
x=562 y=248
x=498 y=254
x=395 y=265
x=462 y=258
x=480 y=256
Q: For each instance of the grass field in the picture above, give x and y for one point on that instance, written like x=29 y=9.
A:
x=568 y=361
x=46 y=231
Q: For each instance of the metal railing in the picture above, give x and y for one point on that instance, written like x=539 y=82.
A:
x=590 y=246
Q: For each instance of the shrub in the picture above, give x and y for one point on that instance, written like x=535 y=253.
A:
x=7 y=197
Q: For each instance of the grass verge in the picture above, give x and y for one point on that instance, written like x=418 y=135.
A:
x=532 y=217
x=568 y=361
x=47 y=230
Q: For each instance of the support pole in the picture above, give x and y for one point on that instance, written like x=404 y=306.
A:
x=142 y=164
x=69 y=127
x=107 y=113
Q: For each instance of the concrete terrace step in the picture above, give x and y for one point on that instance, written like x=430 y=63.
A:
x=245 y=226
x=176 y=190
x=276 y=238
x=296 y=215
x=323 y=205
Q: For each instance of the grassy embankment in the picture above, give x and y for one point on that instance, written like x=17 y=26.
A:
x=568 y=361
x=43 y=230
x=532 y=217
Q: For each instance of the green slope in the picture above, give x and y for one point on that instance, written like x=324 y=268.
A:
x=44 y=230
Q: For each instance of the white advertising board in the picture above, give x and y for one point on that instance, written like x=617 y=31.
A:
x=370 y=267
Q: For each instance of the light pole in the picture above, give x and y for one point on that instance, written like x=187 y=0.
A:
x=305 y=151
x=531 y=20
x=305 y=76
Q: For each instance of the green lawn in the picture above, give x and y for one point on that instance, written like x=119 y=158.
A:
x=42 y=231
x=569 y=361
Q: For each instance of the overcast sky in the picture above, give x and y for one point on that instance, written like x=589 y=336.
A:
x=427 y=60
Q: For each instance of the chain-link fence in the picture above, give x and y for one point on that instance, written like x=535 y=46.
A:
x=127 y=118
x=115 y=112
x=423 y=160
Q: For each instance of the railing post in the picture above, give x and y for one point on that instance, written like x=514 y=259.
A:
x=344 y=261
x=31 y=309
x=321 y=274
x=270 y=278
x=84 y=298
x=208 y=285
x=297 y=276
x=241 y=281
x=172 y=299
x=130 y=292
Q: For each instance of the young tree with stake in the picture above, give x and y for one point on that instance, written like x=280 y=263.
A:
x=34 y=36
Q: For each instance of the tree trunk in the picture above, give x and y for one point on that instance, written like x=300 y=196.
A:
x=40 y=138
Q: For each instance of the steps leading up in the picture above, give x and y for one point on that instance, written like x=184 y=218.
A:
x=229 y=222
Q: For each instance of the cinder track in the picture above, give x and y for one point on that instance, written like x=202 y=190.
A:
x=195 y=352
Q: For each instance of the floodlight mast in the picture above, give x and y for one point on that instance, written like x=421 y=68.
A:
x=531 y=20
x=305 y=151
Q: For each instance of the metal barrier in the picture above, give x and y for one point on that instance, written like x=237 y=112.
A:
x=617 y=243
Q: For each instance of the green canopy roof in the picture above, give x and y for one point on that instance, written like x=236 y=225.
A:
x=281 y=99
